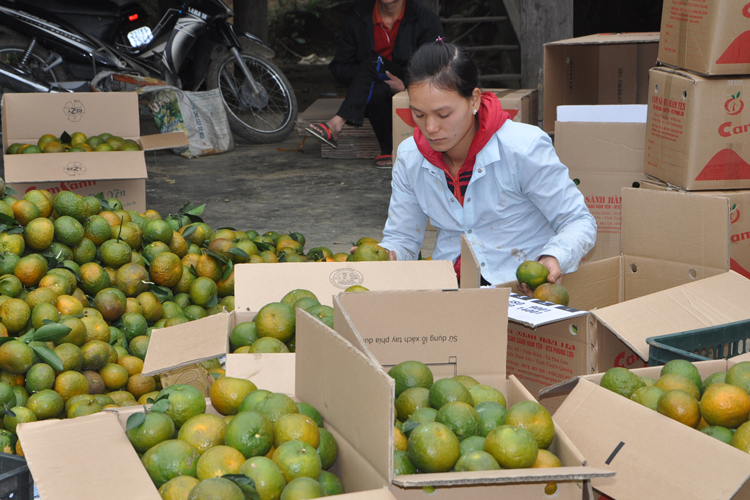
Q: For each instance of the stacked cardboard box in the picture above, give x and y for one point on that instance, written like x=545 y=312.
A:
x=118 y=174
x=696 y=133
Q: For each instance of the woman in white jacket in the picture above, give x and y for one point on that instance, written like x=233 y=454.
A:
x=474 y=172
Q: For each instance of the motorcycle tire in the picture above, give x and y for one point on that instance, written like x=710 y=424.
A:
x=12 y=50
x=266 y=120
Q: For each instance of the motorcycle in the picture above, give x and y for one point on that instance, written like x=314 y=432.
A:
x=59 y=45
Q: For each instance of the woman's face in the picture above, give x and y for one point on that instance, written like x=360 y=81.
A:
x=444 y=117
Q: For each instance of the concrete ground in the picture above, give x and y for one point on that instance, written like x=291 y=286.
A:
x=332 y=202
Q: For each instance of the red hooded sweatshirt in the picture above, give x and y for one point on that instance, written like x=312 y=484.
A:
x=491 y=117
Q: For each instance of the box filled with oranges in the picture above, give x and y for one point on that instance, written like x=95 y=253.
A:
x=59 y=451
x=74 y=162
x=457 y=340
x=652 y=451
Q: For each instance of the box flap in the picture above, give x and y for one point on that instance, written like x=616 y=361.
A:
x=614 y=149
x=445 y=334
x=650 y=452
x=500 y=477
x=57 y=451
x=471 y=277
x=603 y=113
x=167 y=140
x=326 y=279
x=708 y=302
x=609 y=38
x=378 y=494
x=273 y=372
x=688 y=239
x=75 y=167
x=92 y=113
x=181 y=345
x=331 y=375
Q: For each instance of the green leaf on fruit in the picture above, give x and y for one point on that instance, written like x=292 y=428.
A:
x=189 y=230
x=238 y=252
x=227 y=271
x=51 y=331
x=212 y=301
x=48 y=356
x=10 y=191
x=65 y=138
x=409 y=426
x=8 y=411
x=162 y=293
x=135 y=420
x=196 y=210
x=160 y=406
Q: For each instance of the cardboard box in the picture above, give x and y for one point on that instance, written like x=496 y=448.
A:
x=259 y=284
x=650 y=452
x=695 y=134
x=709 y=37
x=739 y=220
x=597 y=69
x=119 y=174
x=602 y=146
x=521 y=104
x=57 y=450
x=453 y=332
x=668 y=240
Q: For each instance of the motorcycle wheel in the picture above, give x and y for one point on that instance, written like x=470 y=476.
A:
x=12 y=51
x=267 y=120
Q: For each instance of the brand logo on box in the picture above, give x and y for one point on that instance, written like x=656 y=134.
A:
x=74 y=110
x=65 y=186
x=624 y=361
x=734 y=214
x=344 y=278
x=737 y=52
x=74 y=168
x=734 y=106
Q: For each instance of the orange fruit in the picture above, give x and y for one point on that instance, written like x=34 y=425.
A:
x=251 y=433
x=535 y=418
x=512 y=447
x=461 y=418
x=410 y=374
x=140 y=384
x=532 y=273
x=681 y=406
x=15 y=357
x=673 y=380
x=157 y=427
x=227 y=394
x=185 y=401
x=297 y=459
x=30 y=269
x=433 y=447
x=170 y=458
x=166 y=269
x=178 y=488
x=295 y=426
x=447 y=390
x=268 y=479
x=276 y=320
x=111 y=303
x=203 y=431
x=724 y=405
x=39 y=234
x=218 y=461
x=216 y=488
x=71 y=383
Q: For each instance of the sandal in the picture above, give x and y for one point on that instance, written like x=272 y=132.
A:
x=323 y=132
x=384 y=159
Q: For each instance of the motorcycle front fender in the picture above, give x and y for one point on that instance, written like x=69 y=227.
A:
x=252 y=43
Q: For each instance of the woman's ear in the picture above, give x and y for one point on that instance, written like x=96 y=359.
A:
x=476 y=98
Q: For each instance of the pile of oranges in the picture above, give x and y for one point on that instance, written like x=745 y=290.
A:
x=248 y=441
x=718 y=405
x=458 y=424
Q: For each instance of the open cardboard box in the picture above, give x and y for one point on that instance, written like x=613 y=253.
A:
x=118 y=174
x=653 y=455
x=58 y=450
x=453 y=332
x=668 y=240
x=602 y=146
x=259 y=284
x=609 y=68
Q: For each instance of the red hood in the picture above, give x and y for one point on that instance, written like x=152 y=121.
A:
x=491 y=117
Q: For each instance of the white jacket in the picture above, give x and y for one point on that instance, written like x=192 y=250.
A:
x=519 y=205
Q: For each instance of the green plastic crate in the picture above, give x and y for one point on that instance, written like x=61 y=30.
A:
x=15 y=478
x=717 y=342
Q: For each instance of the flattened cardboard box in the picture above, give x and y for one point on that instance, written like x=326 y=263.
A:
x=597 y=69
x=453 y=332
x=650 y=452
x=739 y=220
x=709 y=36
x=696 y=134
x=57 y=450
x=674 y=253
x=120 y=174
x=259 y=284
x=521 y=104
x=603 y=157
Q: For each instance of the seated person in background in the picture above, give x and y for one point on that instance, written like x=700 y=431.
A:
x=375 y=44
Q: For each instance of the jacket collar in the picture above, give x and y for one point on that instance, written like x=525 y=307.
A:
x=364 y=10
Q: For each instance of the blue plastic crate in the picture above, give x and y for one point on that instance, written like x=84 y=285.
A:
x=717 y=342
x=15 y=478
